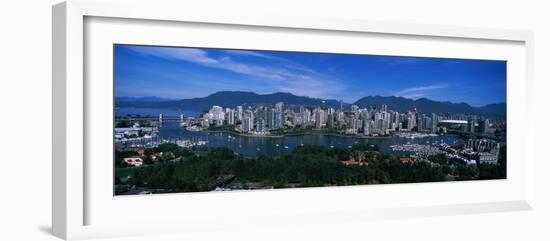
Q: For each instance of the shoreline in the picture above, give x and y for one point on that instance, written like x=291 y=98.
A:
x=244 y=134
x=299 y=134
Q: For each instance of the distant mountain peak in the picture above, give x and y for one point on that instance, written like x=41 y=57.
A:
x=426 y=105
x=232 y=92
x=141 y=99
x=232 y=99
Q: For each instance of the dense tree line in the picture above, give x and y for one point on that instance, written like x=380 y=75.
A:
x=119 y=158
x=307 y=166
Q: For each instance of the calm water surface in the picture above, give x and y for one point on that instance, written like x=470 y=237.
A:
x=256 y=146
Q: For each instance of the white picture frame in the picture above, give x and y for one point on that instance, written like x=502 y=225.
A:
x=73 y=191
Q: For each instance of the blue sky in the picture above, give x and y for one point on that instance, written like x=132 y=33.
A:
x=179 y=73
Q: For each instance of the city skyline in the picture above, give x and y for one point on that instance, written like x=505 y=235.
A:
x=183 y=73
x=252 y=120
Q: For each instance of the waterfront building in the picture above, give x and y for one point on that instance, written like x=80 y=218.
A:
x=260 y=125
x=325 y=117
x=330 y=122
x=205 y=123
x=247 y=124
x=320 y=118
x=395 y=120
x=306 y=117
x=248 y=121
x=231 y=117
x=357 y=124
x=278 y=116
x=464 y=128
x=387 y=120
x=435 y=120
x=271 y=118
x=216 y=115
x=471 y=125
x=378 y=122
x=426 y=123
x=240 y=113
x=265 y=113
x=366 y=127
x=410 y=122
x=339 y=116
x=413 y=119
x=420 y=123
x=351 y=131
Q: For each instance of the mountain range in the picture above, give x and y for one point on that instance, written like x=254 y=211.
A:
x=234 y=98
x=142 y=99
x=425 y=105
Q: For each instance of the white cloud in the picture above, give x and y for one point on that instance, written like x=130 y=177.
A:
x=288 y=63
x=419 y=92
x=284 y=75
x=187 y=54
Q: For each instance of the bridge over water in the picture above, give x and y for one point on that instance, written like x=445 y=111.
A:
x=151 y=118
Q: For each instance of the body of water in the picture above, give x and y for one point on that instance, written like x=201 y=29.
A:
x=125 y=111
x=252 y=146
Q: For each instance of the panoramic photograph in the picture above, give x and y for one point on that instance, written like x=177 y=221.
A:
x=220 y=120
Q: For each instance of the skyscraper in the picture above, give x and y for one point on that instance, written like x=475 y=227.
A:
x=435 y=120
x=471 y=124
x=248 y=121
x=410 y=123
x=230 y=117
x=320 y=118
x=260 y=125
x=331 y=121
x=306 y=117
x=216 y=115
x=278 y=116
x=366 y=127
x=357 y=124
x=240 y=113
x=420 y=123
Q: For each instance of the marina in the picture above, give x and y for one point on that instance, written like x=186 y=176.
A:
x=254 y=146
